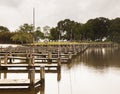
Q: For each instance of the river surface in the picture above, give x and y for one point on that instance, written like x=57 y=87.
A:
x=96 y=71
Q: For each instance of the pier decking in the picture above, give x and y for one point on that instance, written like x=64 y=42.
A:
x=36 y=59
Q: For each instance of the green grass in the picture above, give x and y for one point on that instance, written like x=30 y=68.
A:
x=69 y=43
x=55 y=43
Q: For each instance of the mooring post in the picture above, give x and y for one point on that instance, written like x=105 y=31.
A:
x=10 y=59
x=49 y=57
x=70 y=56
x=5 y=74
x=31 y=70
x=75 y=51
x=59 y=69
x=42 y=76
x=0 y=74
x=0 y=68
x=0 y=61
x=1 y=49
x=27 y=56
x=32 y=77
x=5 y=59
x=28 y=60
x=31 y=61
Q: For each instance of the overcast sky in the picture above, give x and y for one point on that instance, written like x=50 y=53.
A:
x=14 y=13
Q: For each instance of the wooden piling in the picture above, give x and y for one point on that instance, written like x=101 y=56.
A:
x=10 y=59
x=49 y=57
x=0 y=68
x=70 y=56
x=0 y=61
x=5 y=74
x=32 y=58
x=59 y=69
x=42 y=76
x=32 y=77
x=6 y=59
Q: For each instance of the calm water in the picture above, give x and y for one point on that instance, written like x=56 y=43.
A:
x=97 y=71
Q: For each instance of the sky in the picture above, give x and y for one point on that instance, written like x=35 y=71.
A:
x=14 y=13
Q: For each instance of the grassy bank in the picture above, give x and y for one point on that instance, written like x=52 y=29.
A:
x=69 y=43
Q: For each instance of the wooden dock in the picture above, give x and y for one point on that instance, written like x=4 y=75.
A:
x=35 y=59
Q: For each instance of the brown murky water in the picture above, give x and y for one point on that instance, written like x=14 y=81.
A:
x=97 y=71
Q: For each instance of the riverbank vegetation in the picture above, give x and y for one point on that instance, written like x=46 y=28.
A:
x=94 y=30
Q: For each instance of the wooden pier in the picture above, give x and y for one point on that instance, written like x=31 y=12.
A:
x=35 y=59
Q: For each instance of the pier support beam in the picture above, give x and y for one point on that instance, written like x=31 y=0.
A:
x=10 y=59
x=0 y=61
x=5 y=61
x=49 y=57
x=59 y=70
x=42 y=76
x=32 y=78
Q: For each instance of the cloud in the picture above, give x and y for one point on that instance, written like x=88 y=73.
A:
x=11 y=3
x=48 y=12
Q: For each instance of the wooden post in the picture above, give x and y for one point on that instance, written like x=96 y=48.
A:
x=59 y=69
x=49 y=57
x=32 y=77
x=75 y=52
x=65 y=50
x=0 y=68
x=32 y=58
x=6 y=59
x=70 y=56
x=28 y=60
x=42 y=77
x=0 y=74
x=31 y=71
x=0 y=61
x=1 y=49
x=10 y=59
x=27 y=56
x=5 y=74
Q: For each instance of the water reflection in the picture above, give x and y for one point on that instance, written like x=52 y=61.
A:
x=96 y=71
x=101 y=58
x=98 y=58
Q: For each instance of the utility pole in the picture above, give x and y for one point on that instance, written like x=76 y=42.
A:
x=33 y=40
x=33 y=25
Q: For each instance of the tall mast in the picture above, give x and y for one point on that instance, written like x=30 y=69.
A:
x=33 y=26
x=34 y=18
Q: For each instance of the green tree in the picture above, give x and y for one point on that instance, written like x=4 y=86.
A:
x=97 y=29
x=24 y=34
x=115 y=30
x=27 y=28
x=22 y=37
x=4 y=29
x=54 y=34
x=69 y=30
x=5 y=35
x=38 y=34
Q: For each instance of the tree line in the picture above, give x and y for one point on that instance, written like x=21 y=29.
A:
x=97 y=29
x=25 y=34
